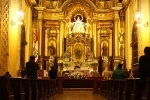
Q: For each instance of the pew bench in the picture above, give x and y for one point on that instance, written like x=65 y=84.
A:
x=6 y=92
x=16 y=85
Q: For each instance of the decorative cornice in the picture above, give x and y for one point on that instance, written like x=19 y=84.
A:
x=30 y=2
x=125 y=4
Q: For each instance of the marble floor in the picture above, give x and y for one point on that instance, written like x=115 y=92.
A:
x=77 y=95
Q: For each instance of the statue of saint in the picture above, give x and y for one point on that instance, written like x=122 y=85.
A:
x=78 y=53
x=78 y=26
x=89 y=55
x=104 y=50
x=52 y=50
x=67 y=56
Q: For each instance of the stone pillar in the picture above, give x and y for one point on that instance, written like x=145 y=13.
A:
x=39 y=22
x=61 y=34
x=94 y=39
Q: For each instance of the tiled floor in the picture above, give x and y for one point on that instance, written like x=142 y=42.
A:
x=77 y=95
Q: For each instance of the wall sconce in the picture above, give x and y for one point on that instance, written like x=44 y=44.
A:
x=20 y=17
x=146 y=24
x=138 y=16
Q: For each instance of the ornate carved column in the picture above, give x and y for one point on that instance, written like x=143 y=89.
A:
x=115 y=41
x=61 y=34
x=39 y=22
x=94 y=38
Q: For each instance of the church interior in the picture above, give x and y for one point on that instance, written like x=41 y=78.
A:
x=86 y=37
x=108 y=30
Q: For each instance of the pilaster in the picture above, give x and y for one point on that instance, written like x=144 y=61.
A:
x=94 y=38
x=61 y=34
x=39 y=22
x=116 y=31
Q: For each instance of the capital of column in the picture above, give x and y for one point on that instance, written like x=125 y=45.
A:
x=40 y=12
x=94 y=21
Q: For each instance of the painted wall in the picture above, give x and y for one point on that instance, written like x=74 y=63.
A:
x=143 y=28
x=15 y=33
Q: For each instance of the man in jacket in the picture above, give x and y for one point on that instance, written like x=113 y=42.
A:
x=31 y=68
x=144 y=66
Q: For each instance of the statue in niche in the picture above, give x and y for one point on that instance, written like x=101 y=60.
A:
x=78 y=53
x=104 y=50
x=100 y=5
x=89 y=55
x=55 y=4
x=121 y=50
x=67 y=55
x=105 y=5
x=52 y=50
x=78 y=25
x=49 y=4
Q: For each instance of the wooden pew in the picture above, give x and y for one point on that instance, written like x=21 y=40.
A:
x=129 y=84
x=27 y=88
x=44 y=89
x=40 y=88
x=121 y=86
x=5 y=89
x=48 y=88
x=52 y=87
x=102 y=87
x=110 y=87
x=16 y=85
x=34 y=88
x=115 y=89
x=146 y=91
x=136 y=92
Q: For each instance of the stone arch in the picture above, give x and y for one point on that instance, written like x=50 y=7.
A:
x=67 y=2
x=71 y=8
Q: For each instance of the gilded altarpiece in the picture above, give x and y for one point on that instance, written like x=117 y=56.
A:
x=4 y=19
x=79 y=21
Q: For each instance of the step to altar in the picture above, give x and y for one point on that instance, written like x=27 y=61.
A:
x=77 y=89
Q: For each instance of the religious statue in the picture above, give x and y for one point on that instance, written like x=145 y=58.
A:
x=67 y=56
x=78 y=26
x=48 y=4
x=55 y=4
x=89 y=55
x=104 y=50
x=121 y=50
x=78 y=53
x=105 y=5
x=52 y=50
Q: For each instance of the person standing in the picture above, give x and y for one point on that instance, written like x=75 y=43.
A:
x=31 y=68
x=118 y=73
x=52 y=73
x=144 y=66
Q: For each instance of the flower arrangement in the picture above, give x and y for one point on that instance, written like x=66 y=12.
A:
x=78 y=75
